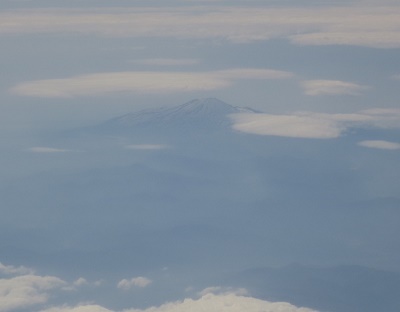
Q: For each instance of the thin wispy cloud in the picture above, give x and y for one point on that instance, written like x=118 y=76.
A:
x=143 y=82
x=146 y=147
x=375 y=26
x=296 y=126
x=332 y=87
x=166 y=62
x=47 y=150
x=384 y=117
x=380 y=144
x=314 y=125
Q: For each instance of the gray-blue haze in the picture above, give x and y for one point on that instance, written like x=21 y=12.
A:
x=211 y=205
x=182 y=198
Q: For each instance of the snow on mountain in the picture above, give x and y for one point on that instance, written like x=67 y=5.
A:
x=196 y=115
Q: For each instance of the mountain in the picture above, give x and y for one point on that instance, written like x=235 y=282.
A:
x=176 y=188
x=199 y=115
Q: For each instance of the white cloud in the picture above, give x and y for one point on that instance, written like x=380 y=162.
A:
x=331 y=87
x=376 y=25
x=140 y=281
x=27 y=290
x=11 y=270
x=224 y=303
x=42 y=149
x=380 y=144
x=146 y=146
x=210 y=302
x=80 y=282
x=166 y=62
x=384 y=117
x=296 y=126
x=223 y=291
x=143 y=82
x=314 y=125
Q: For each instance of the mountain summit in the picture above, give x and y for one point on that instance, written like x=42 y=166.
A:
x=197 y=115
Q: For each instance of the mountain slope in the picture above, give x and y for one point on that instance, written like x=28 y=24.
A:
x=207 y=114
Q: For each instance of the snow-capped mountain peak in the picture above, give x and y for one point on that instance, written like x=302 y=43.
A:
x=196 y=115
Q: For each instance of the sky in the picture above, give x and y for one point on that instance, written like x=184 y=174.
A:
x=306 y=188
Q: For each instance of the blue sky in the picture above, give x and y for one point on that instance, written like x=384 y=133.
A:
x=126 y=221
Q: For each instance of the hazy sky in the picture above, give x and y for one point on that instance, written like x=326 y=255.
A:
x=324 y=74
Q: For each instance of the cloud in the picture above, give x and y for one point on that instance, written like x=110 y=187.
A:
x=42 y=149
x=80 y=282
x=376 y=25
x=140 y=281
x=224 y=303
x=296 y=126
x=166 y=62
x=223 y=291
x=12 y=270
x=314 y=125
x=27 y=290
x=143 y=82
x=331 y=87
x=146 y=146
x=210 y=302
x=384 y=117
x=380 y=144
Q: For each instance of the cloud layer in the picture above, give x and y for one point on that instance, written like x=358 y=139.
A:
x=29 y=290
x=143 y=82
x=332 y=87
x=209 y=302
x=314 y=125
x=380 y=144
x=224 y=303
x=376 y=25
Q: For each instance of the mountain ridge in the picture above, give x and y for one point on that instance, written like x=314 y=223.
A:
x=197 y=114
